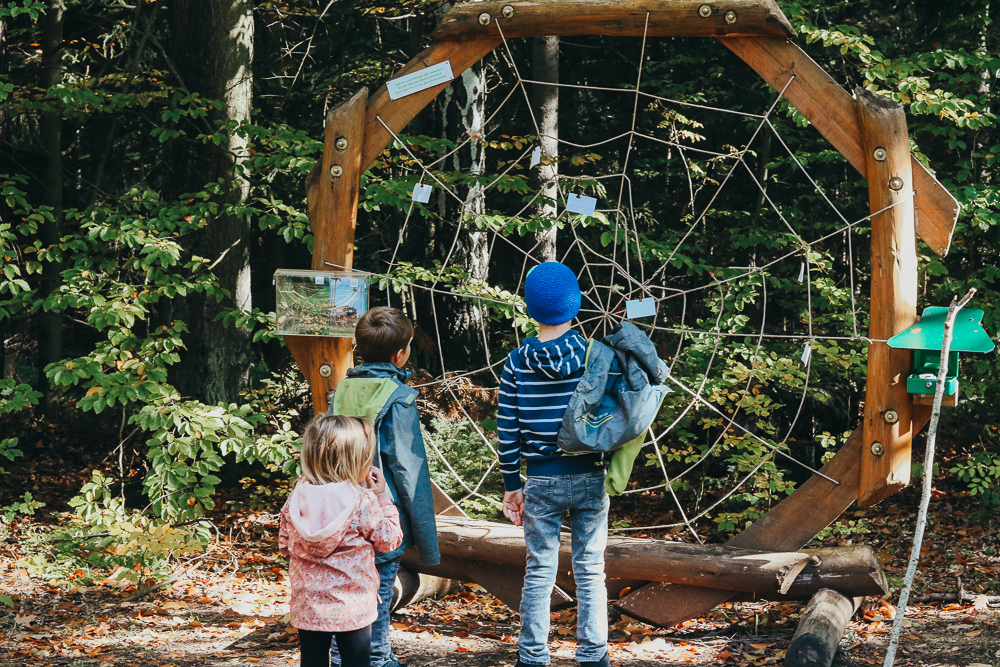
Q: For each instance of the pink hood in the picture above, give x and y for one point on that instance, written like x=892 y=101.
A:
x=321 y=513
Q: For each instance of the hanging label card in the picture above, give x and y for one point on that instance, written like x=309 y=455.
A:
x=422 y=193
x=536 y=157
x=423 y=79
x=581 y=204
x=640 y=308
x=802 y=271
x=807 y=353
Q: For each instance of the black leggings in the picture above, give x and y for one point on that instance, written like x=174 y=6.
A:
x=355 y=647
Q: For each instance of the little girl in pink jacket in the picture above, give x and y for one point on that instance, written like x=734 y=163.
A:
x=329 y=526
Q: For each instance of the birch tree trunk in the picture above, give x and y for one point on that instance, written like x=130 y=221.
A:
x=212 y=46
x=545 y=67
x=463 y=114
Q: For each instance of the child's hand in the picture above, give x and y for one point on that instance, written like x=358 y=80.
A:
x=513 y=506
x=376 y=480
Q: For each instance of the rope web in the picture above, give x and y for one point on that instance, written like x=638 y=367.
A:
x=626 y=269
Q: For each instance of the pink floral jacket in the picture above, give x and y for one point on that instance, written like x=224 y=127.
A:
x=329 y=531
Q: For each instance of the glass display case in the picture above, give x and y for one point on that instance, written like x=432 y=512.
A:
x=319 y=303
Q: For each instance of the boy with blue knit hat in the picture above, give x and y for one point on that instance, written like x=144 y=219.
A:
x=538 y=379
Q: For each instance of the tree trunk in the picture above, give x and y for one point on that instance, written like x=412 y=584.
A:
x=463 y=115
x=50 y=131
x=212 y=46
x=545 y=67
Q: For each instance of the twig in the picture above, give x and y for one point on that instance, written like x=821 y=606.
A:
x=928 y=480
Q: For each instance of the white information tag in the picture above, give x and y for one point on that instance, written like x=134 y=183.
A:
x=320 y=280
x=422 y=193
x=802 y=271
x=423 y=79
x=536 y=157
x=807 y=353
x=640 y=308
x=581 y=204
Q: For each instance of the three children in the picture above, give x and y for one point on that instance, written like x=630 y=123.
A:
x=538 y=379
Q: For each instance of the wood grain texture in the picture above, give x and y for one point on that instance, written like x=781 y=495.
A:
x=613 y=18
x=820 y=628
x=787 y=527
x=893 y=297
x=831 y=111
x=333 y=213
x=396 y=114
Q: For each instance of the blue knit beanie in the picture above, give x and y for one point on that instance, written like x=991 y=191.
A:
x=552 y=293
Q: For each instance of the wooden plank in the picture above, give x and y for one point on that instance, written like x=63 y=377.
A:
x=831 y=111
x=885 y=457
x=820 y=628
x=398 y=113
x=613 y=18
x=794 y=521
x=333 y=213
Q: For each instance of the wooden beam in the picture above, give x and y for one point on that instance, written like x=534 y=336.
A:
x=831 y=111
x=396 y=114
x=820 y=628
x=613 y=18
x=885 y=456
x=333 y=213
x=788 y=526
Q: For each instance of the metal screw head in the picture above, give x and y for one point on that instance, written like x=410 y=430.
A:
x=704 y=11
x=816 y=561
x=895 y=183
x=880 y=154
x=484 y=19
x=508 y=11
x=891 y=416
x=730 y=16
x=336 y=171
x=325 y=371
x=341 y=143
x=878 y=449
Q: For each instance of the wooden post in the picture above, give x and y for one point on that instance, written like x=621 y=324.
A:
x=332 y=188
x=823 y=622
x=885 y=455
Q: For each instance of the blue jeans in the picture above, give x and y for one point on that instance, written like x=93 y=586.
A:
x=546 y=501
x=381 y=649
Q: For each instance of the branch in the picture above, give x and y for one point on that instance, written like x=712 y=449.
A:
x=925 y=494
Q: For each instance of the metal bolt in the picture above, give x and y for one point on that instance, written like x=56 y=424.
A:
x=891 y=416
x=484 y=19
x=929 y=385
x=880 y=154
x=325 y=371
x=730 y=16
x=336 y=171
x=704 y=11
x=508 y=11
x=895 y=183
x=816 y=561
x=341 y=143
x=878 y=449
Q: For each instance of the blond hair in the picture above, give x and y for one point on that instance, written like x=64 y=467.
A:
x=337 y=448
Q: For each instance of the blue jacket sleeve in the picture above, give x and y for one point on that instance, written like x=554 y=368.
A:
x=509 y=429
x=405 y=461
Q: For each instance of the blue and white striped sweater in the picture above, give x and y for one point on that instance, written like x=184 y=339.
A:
x=537 y=382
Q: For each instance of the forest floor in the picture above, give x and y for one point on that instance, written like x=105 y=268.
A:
x=228 y=606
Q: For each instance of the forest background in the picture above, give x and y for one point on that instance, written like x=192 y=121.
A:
x=153 y=163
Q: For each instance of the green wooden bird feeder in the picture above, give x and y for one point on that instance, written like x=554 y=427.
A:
x=926 y=338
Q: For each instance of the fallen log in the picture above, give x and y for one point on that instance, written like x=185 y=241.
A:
x=853 y=570
x=821 y=626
